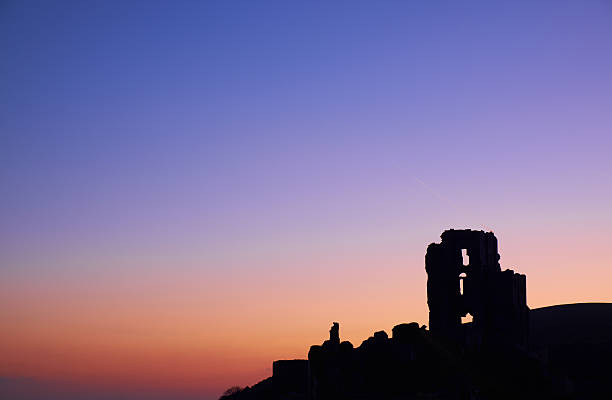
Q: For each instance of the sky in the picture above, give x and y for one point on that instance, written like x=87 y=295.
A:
x=191 y=190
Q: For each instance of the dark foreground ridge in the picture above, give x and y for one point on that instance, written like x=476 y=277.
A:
x=506 y=352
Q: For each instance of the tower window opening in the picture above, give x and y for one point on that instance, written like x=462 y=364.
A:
x=465 y=257
x=467 y=318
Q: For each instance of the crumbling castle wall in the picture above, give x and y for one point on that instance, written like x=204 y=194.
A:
x=496 y=299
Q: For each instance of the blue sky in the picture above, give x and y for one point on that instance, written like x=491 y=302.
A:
x=200 y=140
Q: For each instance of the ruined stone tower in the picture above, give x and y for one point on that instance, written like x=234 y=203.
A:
x=496 y=299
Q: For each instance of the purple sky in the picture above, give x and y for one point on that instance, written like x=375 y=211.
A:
x=216 y=139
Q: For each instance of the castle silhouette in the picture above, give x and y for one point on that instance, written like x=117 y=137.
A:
x=507 y=352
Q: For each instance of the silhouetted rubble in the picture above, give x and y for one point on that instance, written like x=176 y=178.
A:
x=489 y=358
x=291 y=377
x=406 y=364
x=334 y=334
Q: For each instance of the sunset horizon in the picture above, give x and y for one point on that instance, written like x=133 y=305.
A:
x=194 y=190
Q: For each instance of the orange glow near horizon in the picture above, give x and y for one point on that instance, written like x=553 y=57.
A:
x=177 y=334
x=191 y=190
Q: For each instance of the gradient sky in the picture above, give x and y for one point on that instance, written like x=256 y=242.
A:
x=190 y=190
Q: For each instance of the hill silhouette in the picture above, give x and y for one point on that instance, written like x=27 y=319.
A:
x=576 y=340
x=571 y=323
